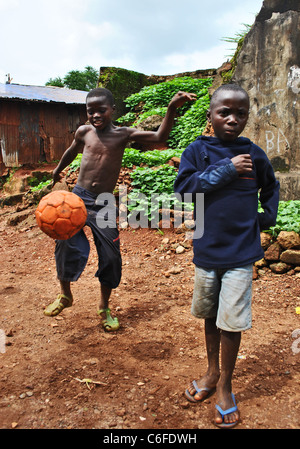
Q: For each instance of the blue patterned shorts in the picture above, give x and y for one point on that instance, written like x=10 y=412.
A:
x=72 y=255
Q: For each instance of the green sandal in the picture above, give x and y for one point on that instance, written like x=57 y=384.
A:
x=57 y=306
x=109 y=324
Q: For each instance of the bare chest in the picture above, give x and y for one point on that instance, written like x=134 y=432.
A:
x=107 y=145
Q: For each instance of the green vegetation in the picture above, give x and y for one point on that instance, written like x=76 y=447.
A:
x=149 y=180
x=238 y=39
x=122 y=82
x=159 y=95
x=151 y=158
x=288 y=217
x=126 y=119
x=153 y=100
x=155 y=177
x=191 y=125
x=153 y=190
x=7 y=179
x=38 y=184
x=75 y=79
x=75 y=164
x=151 y=174
x=160 y=111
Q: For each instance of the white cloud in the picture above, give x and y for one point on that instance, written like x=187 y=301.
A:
x=47 y=39
x=206 y=59
x=8 y=5
x=246 y=12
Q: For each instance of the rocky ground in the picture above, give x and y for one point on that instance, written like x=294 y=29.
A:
x=67 y=373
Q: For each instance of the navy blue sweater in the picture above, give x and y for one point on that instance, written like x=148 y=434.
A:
x=232 y=223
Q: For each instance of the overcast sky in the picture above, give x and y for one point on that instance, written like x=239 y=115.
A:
x=44 y=39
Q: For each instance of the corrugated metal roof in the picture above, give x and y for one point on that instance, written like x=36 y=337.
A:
x=42 y=93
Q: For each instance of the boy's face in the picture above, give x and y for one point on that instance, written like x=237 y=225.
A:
x=229 y=114
x=99 y=112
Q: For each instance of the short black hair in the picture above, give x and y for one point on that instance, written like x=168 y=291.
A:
x=102 y=92
x=229 y=87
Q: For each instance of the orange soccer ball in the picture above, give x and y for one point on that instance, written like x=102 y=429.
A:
x=61 y=214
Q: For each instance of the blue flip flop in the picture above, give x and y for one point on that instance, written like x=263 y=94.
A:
x=227 y=412
x=198 y=390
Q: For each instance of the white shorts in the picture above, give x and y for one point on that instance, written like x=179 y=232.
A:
x=224 y=294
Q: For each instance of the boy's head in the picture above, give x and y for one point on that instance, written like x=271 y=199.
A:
x=229 y=111
x=100 y=107
x=101 y=92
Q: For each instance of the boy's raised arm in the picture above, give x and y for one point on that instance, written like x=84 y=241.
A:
x=162 y=134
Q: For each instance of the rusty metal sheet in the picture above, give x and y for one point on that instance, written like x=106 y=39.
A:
x=42 y=93
x=32 y=132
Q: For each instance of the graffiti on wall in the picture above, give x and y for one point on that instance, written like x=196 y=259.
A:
x=276 y=141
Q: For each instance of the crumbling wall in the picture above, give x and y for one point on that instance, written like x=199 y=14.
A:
x=123 y=83
x=268 y=67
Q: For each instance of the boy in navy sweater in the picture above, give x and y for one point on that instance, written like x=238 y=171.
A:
x=230 y=171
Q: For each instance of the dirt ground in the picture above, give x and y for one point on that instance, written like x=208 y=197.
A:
x=67 y=373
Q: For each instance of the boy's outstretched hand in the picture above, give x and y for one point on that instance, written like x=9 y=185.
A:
x=57 y=177
x=182 y=97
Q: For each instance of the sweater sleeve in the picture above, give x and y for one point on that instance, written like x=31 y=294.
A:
x=269 y=195
x=196 y=176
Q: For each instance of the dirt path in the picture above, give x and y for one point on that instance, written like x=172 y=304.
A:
x=140 y=373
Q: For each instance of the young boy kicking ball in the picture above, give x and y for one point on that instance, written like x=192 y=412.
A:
x=102 y=146
x=230 y=171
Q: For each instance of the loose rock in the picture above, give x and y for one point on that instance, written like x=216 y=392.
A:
x=289 y=240
x=291 y=256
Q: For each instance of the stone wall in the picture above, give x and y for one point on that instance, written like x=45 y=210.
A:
x=268 y=67
x=122 y=83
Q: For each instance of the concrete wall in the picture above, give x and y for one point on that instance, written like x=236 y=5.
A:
x=268 y=67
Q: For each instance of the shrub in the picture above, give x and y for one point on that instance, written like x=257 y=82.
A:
x=153 y=100
x=151 y=158
x=288 y=217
